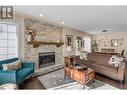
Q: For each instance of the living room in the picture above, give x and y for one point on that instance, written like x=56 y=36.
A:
x=41 y=49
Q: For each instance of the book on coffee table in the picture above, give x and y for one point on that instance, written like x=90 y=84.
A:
x=81 y=68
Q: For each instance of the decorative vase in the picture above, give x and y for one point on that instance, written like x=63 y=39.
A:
x=30 y=39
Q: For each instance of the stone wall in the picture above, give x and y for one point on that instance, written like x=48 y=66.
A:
x=45 y=32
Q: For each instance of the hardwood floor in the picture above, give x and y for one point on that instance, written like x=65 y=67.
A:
x=34 y=83
x=111 y=82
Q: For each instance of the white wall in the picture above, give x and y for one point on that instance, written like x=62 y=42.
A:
x=20 y=21
x=75 y=33
x=113 y=35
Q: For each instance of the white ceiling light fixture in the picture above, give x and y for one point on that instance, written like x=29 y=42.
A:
x=105 y=40
x=41 y=15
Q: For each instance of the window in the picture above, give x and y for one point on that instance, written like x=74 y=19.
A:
x=8 y=41
x=87 y=44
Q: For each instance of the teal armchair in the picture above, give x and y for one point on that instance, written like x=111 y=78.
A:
x=16 y=76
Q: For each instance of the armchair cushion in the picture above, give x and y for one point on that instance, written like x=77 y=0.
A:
x=27 y=64
x=7 y=76
x=23 y=73
x=16 y=76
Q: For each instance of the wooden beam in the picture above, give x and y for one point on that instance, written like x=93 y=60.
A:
x=38 y=43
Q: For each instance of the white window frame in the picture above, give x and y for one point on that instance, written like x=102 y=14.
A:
x=17 y=40
x=87 y=44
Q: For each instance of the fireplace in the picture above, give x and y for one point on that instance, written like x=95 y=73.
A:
x=46 y=59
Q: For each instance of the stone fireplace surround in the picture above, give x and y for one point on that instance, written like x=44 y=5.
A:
x=58 y=59
x=52 y=33
x=59 y=63
x=46 y=48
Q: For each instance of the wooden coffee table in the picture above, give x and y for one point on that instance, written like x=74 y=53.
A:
x=83 y=77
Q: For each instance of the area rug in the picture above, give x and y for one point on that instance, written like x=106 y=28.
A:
x=55 y=81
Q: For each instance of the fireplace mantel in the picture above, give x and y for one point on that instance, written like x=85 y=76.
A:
x=36 y=44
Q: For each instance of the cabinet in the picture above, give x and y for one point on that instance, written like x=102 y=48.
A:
x=68 y=60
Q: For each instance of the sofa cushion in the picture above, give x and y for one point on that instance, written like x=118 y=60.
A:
x=83 y=61
x=98 y=57
x=87 y=63
x=103 y=58
x=106 y=71
x=23 y=73
x=105 y=67
x=91 y=56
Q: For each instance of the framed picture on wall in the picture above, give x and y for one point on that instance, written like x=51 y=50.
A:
x=79 y=42
x=114 y=43
x=69 y=40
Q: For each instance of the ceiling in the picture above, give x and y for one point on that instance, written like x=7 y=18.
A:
x=91 y=19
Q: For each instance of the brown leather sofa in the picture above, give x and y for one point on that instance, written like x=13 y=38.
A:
x=99 y=62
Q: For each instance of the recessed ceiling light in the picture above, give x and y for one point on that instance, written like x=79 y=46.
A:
x=63 y=22
x=40 y=15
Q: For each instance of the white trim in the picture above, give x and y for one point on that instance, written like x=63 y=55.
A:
x=17 y=38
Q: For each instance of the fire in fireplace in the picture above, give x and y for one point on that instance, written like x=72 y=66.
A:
x=46 y=59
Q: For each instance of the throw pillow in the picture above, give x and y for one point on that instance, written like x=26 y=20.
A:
x=83 y=55
x=112 y=60
x=12 y=66
x=116 y=60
